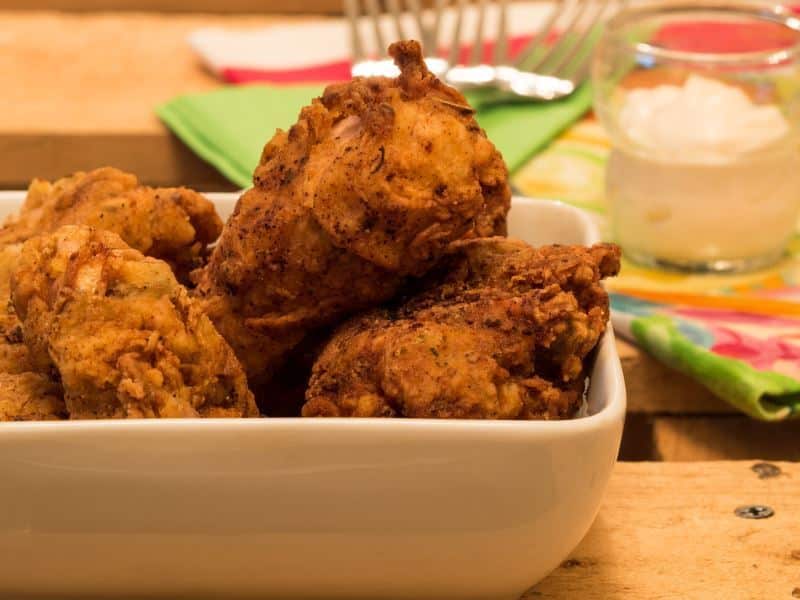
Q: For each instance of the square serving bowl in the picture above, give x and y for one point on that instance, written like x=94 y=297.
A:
x=308 y=508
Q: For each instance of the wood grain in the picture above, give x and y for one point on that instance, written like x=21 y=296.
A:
x=668 y=530
x=212 y=6
x=156 y=159
x=732 y=438
x=656 y=389
x=79 y=90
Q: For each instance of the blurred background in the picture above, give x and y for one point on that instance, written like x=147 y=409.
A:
x=213 y=6
x=151 y=87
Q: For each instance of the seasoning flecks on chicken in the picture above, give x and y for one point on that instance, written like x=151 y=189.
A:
x=30 y=397
x=24 y=394
x=372 y=184
x=173 y=224
x=500 y=330
x=13 y=352
x=124 y=336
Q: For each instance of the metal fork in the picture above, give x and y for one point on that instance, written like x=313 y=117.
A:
x=540 y=71
x=366 y=64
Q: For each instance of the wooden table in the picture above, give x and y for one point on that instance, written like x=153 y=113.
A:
x=673 y=418
x=215 y=6
x=78 y=92
x=668 y=530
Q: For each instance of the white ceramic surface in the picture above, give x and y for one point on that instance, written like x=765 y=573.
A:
x=309 y=508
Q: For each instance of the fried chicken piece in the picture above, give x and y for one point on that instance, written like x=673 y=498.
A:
x=518 y=267
x=173 y=224
x=30 y=397
x=13 y=352
x=371 y=185
x=24 y=394
x=123 y=334
x=499 y=331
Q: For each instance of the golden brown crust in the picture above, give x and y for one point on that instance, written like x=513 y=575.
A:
x=30 y=397
x=499 y=331
x=370 y=186
x=173 y=224
x=13 y=352
x=123 y=335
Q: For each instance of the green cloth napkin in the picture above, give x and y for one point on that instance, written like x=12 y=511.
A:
x=229 y=127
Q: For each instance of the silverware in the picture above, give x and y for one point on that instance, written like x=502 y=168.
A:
x=375 y=63
x=541 y=71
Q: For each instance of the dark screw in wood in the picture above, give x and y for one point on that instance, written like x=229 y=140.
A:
x=766 y=470
x=754 y=511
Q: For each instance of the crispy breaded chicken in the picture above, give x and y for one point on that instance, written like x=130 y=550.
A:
x=499 y=331
x=124 y=336
x=13 y=352
x=173 y=224
x=371 y=185
x=30 y=397
x=24 y=394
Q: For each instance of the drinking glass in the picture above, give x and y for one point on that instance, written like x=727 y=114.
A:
x=702 y=105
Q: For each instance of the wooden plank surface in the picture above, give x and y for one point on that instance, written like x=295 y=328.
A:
x=211 y=6
x=656 y=389
x=668 y=530
x=79 y=91
x=733 y=438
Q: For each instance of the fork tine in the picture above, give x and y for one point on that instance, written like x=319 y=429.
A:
x=438 y=8
x=476 y=55
x=374 y=13
x=528 y=53
x=351 y=9
x=565 y=43
x=583 y=43
x=455 y=43
x=501 y=43
x=579 y=71
x=394 y=8
x=424 y=34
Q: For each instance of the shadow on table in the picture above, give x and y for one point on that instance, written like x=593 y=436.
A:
x=591 y=571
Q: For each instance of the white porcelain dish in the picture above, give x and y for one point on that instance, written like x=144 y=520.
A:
x=308 y=508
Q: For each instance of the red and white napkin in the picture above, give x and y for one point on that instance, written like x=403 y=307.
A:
x=318 y=51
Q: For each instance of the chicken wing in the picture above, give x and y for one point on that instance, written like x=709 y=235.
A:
x=124 y=336
x=372 y=184
x=500 y=330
